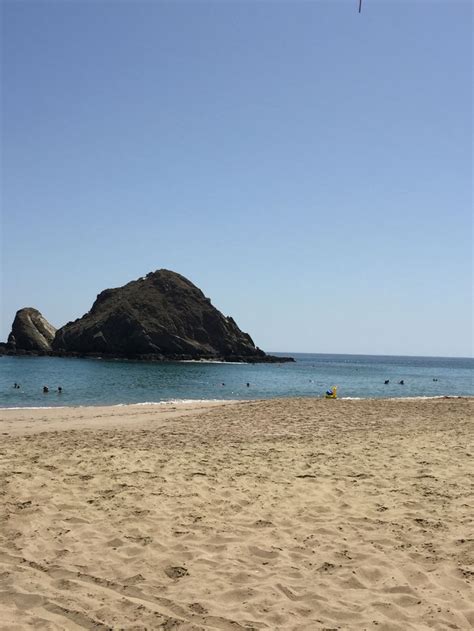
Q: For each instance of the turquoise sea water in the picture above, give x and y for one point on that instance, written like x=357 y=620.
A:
x=106 y=382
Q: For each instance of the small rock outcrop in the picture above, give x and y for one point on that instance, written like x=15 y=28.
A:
x=31 y=331
x=160 y=316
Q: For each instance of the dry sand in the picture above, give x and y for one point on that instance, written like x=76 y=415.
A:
x=278 y=515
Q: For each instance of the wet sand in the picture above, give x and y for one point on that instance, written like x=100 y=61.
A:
x=298 y=514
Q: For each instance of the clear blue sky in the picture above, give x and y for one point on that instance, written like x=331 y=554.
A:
x=309 y=168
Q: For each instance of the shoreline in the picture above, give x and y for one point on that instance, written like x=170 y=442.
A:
x=205 y=402
x=265 y=358
x=19 y=421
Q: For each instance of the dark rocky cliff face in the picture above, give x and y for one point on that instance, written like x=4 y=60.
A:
x=30 y=331
x=160 y=315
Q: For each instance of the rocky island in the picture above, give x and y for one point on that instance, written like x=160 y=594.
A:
x=31 y=331
x=161 y=316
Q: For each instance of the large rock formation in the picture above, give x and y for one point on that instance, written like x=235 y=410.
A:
x=162 y=315
x=30 y=331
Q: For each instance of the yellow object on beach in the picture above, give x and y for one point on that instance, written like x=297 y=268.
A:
x=332 y=393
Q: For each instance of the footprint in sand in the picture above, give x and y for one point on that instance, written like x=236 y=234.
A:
x=176 y=572
x=133 y=580
x=265 y=554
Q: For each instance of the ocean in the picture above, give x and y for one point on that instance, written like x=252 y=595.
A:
x=113 y=382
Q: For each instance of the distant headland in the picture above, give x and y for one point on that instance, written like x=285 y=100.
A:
x=159 y=317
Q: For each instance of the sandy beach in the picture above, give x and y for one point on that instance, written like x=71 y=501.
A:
x=298 y=514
